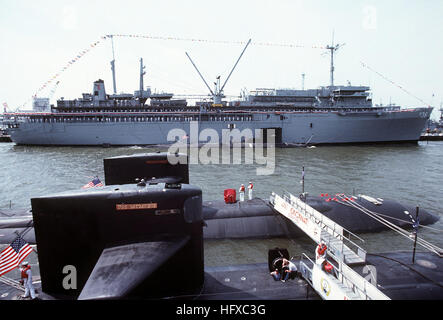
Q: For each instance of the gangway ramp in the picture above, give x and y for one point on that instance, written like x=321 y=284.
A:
x=319 y=227
x=343 y=282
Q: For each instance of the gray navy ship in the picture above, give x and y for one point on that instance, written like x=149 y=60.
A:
x=327 y=115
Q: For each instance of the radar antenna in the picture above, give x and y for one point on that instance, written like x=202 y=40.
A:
x=217 y=94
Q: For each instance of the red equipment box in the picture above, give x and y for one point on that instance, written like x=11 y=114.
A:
x=230 y=196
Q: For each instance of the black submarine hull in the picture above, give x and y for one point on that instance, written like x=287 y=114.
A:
x=145 y=240
x=256 y=219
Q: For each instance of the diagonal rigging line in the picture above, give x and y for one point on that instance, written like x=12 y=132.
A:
x=394 y=227
x=374 y=215
x=395 y=84
x=398 y=219
x=424 y=243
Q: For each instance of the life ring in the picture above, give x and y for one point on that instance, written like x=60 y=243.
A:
x=277 y=263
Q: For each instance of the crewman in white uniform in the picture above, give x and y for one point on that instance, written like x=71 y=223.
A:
x=250 y=186
x=26 y=275
x=320 y=252
x=242 y=192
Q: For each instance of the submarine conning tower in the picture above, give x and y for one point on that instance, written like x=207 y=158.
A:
x=159 y=166
x=127 y=241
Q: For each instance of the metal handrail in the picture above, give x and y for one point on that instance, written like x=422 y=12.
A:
x=360 y=251
x=307 y=267
x=342 y=278
x=345 y=275
x=310 y=214
x=334 y=224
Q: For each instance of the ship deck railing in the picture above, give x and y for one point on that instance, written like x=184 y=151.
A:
x=163 y=115
x=221 y=111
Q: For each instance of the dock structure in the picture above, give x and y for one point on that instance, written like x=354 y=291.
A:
x=431 y=137
x=342 y=282
x=5 y=138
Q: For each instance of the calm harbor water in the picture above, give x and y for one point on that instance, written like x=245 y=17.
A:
x=410 y=174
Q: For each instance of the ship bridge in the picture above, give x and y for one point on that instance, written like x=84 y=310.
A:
x=323 y=97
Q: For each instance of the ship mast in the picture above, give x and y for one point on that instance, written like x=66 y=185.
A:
x=332 y=48
x=113 y=64
x=142 y=73
x=142 y=94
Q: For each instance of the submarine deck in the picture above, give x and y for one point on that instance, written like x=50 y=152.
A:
x=239 y=282
x=252 y=282
x=396 y=276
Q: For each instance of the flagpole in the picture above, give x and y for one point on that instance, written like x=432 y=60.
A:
x=21 y=235
x=303 y=181
x=415 y=226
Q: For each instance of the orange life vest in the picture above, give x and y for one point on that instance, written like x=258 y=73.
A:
x=24 y=274
x=242 y=188
x=250 y=186
x=328 y=267
x=321 y=249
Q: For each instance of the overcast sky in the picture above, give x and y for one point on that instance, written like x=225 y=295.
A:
x=401 y=40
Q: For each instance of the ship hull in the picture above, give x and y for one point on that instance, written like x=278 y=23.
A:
x=312 y=128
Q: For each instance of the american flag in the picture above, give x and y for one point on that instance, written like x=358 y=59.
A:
x=94 y=183
x=14 y=255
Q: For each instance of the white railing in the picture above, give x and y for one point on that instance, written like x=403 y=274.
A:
x=326 y=225
x=348 y=278
x=317 y=226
